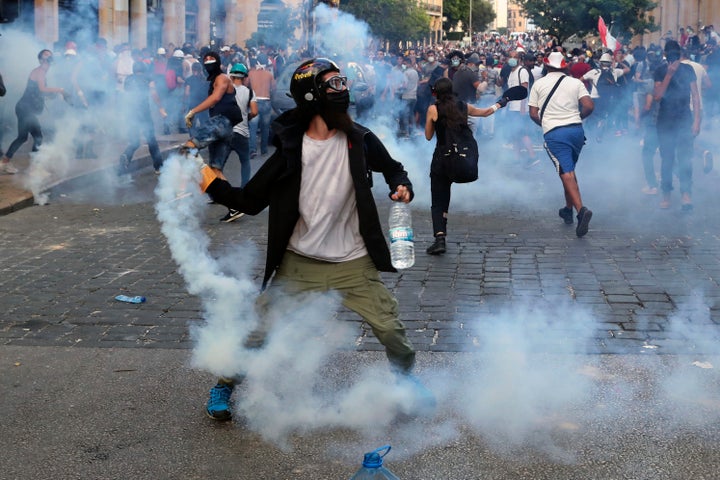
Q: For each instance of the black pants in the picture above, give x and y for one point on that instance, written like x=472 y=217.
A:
x=147 y=129
x=440 y=195
x=28 y=124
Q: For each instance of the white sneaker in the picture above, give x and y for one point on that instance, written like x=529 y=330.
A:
x=649 y=190
x=9 y=168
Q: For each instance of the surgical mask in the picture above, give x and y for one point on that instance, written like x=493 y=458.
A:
x=512 y=62
x=455 y=62
x=431 y=59
x=404 y=67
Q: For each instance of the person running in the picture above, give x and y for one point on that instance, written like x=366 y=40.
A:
x=324 y=231
x=448 y=113
x=27 y=109
x=558 y=103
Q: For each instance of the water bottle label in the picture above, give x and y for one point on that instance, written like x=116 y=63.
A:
x=401 y=234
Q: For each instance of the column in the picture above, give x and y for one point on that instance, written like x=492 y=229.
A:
x=46 y=21
x=203 y=22
x=121 y=22
x=138 y=23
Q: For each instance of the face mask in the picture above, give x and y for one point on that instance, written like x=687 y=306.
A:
x=512 y=62
x=404 y=67
x=337 y=101
x=431 y=59
x=455 y=62
x=212 y=68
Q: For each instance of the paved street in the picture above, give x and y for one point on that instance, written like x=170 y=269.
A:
x=627 y=317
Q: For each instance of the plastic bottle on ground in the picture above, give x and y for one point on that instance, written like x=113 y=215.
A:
x=372 y=466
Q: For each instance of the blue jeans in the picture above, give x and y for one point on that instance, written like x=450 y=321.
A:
x=216 y=134
x=241 y=145
x=261 y=121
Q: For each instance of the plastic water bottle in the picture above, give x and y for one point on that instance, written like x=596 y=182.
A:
x=402 y=248
x=126 y=299
x=372 y=466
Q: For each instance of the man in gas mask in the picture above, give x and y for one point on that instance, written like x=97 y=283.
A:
x=225 y=113
x=324 y=232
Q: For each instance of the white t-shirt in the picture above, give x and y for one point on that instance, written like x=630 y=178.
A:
x=328 y=228
x=594 y=74
x=517 y=77
x=242 y=94
x=700 y=74
x=562 y=109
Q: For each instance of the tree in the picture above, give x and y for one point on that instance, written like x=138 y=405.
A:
x=564 y=18
x=392 y=20
x=459 y=11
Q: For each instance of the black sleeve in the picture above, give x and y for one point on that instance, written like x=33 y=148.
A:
x=379 y=160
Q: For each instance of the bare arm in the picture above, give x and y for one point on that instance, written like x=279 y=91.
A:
x=430 y=119
x=474 y=111
x=252 y=113
x=695 y=99
x=586 y=106
x=535 y=115
x=220 y=87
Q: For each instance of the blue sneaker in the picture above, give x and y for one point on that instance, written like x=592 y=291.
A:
x=218 y=406
x=424 y=402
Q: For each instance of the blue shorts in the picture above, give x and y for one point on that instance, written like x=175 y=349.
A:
x=563 y=145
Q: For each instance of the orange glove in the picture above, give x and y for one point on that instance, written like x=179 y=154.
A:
x=207 y=177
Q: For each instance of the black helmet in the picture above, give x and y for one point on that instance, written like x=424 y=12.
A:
x=304 y=82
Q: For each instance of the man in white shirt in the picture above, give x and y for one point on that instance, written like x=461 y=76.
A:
x=553 y=105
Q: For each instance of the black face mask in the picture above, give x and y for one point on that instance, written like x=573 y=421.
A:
x=213 y=69
x=672 y=56
x=337 y=101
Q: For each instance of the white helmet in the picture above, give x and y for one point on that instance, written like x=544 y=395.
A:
x=606 y=57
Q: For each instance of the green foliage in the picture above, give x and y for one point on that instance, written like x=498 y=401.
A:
x=456 y=11
x=392 y=20
x=564 y=18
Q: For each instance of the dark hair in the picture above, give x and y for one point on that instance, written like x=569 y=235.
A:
x=447 y=103
x=212 y=54
x=672 y=45
x=40 y=55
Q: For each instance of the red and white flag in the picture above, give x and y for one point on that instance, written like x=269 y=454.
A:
x=608 y=40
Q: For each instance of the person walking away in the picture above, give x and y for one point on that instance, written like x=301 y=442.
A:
x=262 y=82
x=516 y=116
x=139 y=88
x=225 y=113
x=677 y=124
x=605 y=93
x=447 y=113
x=408 y=98
x=240 y=142
x=559 y=103
x=27 y=109
x=324 y=231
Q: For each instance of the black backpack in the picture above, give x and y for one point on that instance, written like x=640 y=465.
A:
x=607 y=86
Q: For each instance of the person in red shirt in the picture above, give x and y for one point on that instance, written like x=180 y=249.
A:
x=580 y=68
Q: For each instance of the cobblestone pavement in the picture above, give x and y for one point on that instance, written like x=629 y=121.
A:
x=648 y=278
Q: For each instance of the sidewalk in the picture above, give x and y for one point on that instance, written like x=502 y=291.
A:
x=14 y=195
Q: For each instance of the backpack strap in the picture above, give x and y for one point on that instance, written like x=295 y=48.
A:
x=555 y=87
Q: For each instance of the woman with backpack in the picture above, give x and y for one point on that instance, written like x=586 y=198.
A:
x=448 y=117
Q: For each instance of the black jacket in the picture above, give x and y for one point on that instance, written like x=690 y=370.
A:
x=277 y=185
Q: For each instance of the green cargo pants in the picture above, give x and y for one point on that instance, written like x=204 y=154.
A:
x=362 y=291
